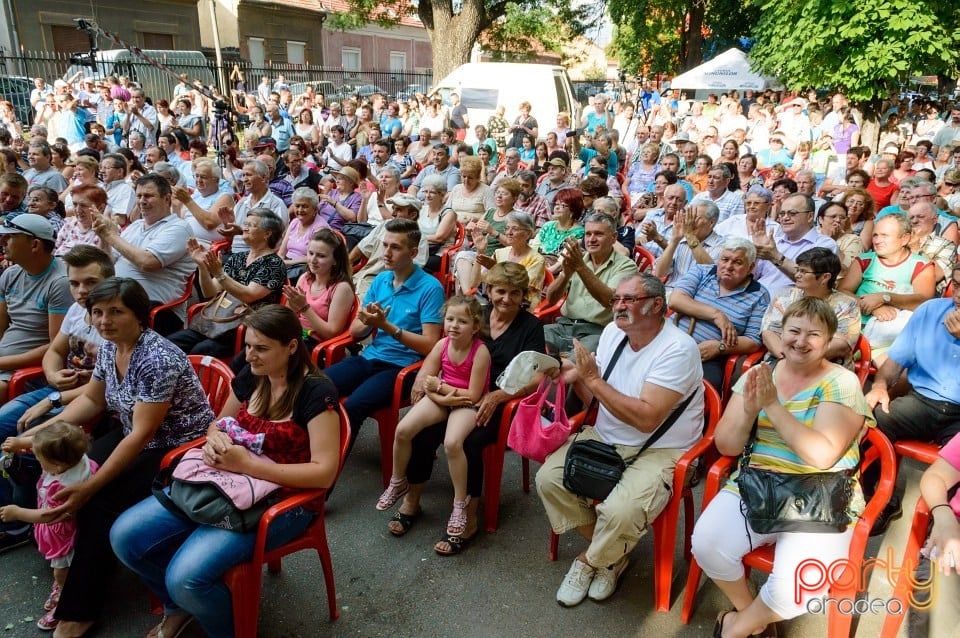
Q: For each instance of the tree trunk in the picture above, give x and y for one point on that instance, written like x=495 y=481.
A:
x=694 y=36
x=452 y=36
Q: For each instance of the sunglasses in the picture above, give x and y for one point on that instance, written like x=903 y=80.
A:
x=20 y=229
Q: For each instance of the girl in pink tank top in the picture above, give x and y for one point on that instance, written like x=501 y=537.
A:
x=61 y=450
x=455 y=376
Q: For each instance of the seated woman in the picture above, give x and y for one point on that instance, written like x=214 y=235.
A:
x=78 y=226
x=491 y=226
x=251 y=278
x=833 y=222
x=438 y=221
x=818 y=270
x=512 y=330
x=816 y=427
x=519 y=231
x=324 y=296
x=341 y=205
x=304 y=223
x=150 y=386
x=467 y=198
x=567 y=210
x=281 y=395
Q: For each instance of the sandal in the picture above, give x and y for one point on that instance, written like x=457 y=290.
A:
x=718 y=627
x=157 y=632
x=457 y=524
x=54 y=598
x=48 y=622
x=455 y=544
x=394 y=492
x=404 y=522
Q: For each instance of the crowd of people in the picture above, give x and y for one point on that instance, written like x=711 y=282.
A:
x=690 y=231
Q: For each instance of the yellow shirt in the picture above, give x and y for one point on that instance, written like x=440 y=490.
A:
x=580 y=304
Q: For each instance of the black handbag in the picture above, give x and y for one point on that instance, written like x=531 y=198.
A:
x=593 y=468
x=775 y=502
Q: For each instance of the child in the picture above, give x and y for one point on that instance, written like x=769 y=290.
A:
x=455 y=377
x=61 y=450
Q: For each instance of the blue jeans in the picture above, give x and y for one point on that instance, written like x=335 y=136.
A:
x=10 y=413
x=183 y=563
x=368 y=386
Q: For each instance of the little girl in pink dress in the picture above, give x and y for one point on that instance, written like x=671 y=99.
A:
x=61 y=450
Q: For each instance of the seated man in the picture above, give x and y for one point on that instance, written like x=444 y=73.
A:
x=13 y=194
x=721 y=307
x=890 y=282
x=658 y=377
x=153 y=249
x=777 y=250
x=729 y=202
x=67 y=365
x=201 y=209
x=401 y=207
x=403 y=304
x=588 y=282
x=696 y=242
x=926 y=349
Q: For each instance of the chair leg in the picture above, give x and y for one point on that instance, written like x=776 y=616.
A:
x=525 y=462
x=274 y=566
x=493 y=478
x=554 y=545
x=387 y=424
x=325 y=561
x=902 y=590
x=244 y=582
x=690 y=591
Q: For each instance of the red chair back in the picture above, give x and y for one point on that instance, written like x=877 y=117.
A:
x=182 y=299
x=644 y=258
x=215 y=377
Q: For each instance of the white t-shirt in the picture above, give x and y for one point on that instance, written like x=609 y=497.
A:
x=671 y=361
x=84 y=339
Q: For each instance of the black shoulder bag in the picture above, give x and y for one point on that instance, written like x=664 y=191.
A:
x=775 y=502
x=593 y=468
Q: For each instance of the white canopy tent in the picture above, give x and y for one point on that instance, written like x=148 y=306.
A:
x=728 y=71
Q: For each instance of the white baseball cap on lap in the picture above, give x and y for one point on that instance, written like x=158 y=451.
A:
x=28 y=224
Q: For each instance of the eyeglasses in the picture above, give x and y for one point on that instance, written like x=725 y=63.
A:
x=794 y=213
x=627 y=299
x=803 y=271
x=20 y=229
x=951 y=184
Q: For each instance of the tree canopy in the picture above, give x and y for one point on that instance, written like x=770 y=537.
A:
x=515 y=26
x=866 y=49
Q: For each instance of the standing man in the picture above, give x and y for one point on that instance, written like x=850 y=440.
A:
x=153 y=249
x=653 y=374
x=459 y=118
x=141 y=117
x=403 y=304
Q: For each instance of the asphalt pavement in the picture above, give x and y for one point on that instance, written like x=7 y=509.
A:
x=503 y=585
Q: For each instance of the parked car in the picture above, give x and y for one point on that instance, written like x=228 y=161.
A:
x=17 y=90
x=363 y=90
x=156 y=84
x=411 y=90
x=324 y=87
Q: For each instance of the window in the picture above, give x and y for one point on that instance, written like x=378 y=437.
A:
x=398 y=61
x=350 y=59
x=69 y=39
x=296 y=52
x=158 y=41
x=255 y=49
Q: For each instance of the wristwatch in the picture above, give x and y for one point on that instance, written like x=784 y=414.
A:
x=722 y=347
x=693 y=244
x=885 y=297
x=396 y=335
x=54 y=398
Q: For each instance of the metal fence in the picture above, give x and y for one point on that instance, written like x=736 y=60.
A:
x=333 y=82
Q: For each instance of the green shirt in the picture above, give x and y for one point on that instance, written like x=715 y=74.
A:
x=580 y=304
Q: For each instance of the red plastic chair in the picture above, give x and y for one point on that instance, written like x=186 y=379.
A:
x=665 y=525
x=862 y=357
x=644 y=259
x=245 y=580
x=731 y=373
x=493 y=458
x=215 y=377
x=443 y=274
x=182 y=299
x=915 y=540
x=387 y=417
x=875 y=448
x=319 y=354
x=20 y=379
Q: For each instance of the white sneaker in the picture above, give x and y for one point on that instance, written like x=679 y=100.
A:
x=605 y=582
x=575 y=584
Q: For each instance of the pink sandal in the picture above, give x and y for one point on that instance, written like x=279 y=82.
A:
x=457 y=524
x=54 y=598
x=393 y=493
x=48 y=622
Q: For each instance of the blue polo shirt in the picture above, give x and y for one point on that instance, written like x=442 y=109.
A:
x=417 y=301
x=743 y=307
x=930 y=354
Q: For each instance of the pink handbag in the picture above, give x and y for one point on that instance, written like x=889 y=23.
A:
x=534 y=436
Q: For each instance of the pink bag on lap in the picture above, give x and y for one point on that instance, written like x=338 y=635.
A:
x=531 y=434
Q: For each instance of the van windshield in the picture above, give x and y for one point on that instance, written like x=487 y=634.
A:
x=480 y=98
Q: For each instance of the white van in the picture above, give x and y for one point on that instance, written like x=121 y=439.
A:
x=485 y=85
x=156 y=83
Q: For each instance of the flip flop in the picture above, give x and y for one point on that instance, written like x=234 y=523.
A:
x=455 y=543
x=159 y=628
x=406 y=522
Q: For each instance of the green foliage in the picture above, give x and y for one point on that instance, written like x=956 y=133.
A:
x=865 y=49
x=521 y=25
